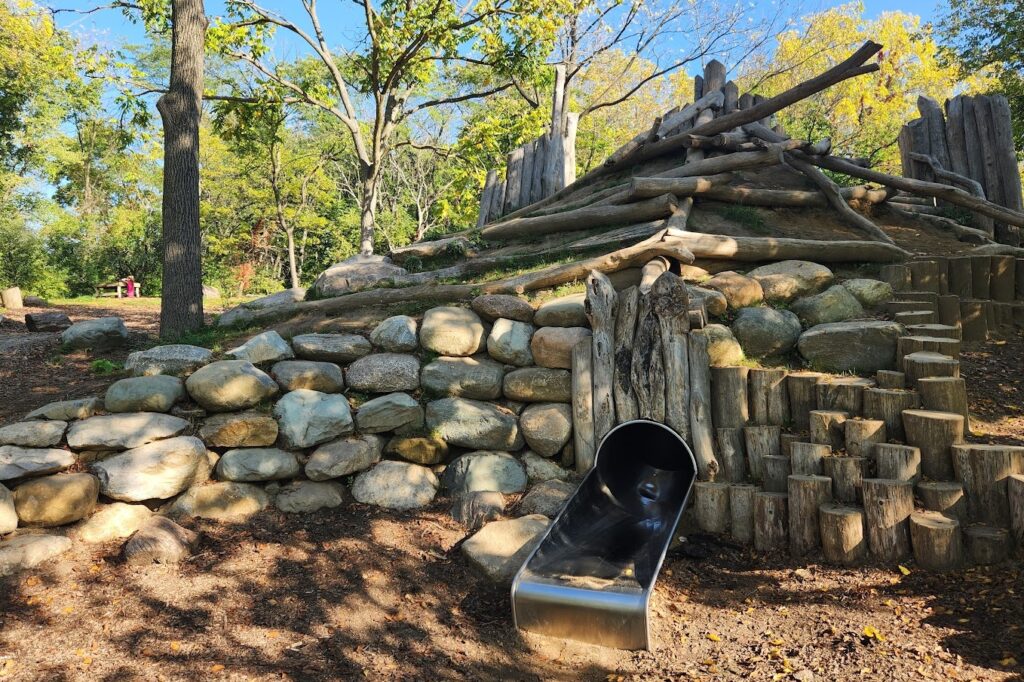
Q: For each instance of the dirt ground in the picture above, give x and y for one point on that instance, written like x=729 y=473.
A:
x=358 y=592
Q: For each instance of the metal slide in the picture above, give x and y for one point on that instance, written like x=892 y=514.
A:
x=592 y=575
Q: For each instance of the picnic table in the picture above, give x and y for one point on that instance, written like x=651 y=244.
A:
x=117 y=289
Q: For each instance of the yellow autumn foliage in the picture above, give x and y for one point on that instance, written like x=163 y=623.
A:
x=862 y=115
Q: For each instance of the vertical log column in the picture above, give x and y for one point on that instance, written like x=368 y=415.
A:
x=888 y=505
x=647 y=371
x=600 y=310
x=936 y=541
x=934 y=433
x=807 y=459
x=828 y=428
x=711 y=506
x=984 y=471
x=842 y=534
x=898 y=462
x=845 y=394
x=981 y=271
x=732 y=455
x=806 y=495
x=771 y=522
x=1015 y=496
x=945 y=394
x=802 y=397
x=700 y=405
x=960 y=277
x=1002 y=278
x=769 y=401
x=760 y=442
x=741 y=512
x=583 y=405
x=625 y=330
x=847 y=474
x=888 y=405
x=946 y=497
x=671 y=303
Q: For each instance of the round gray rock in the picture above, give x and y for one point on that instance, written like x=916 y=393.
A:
x=835 y=304
x=354 y=274
x=155 y=471
x=766 y=331
x=538 y=385
x=861 y=346
x=306 y=418
x=175 y=360
x=546 y=498
x=790 y=279
x=304 y=497
x=723 y=348
x=739 y=291
x=265 y=347
x=229 y=385
x=567 y=311
x=396 y=485
x=384 y=373
x=156 y=393
x=56 y=500
x=102 y=333
x=452 y=331
x=67 y=410
x=223 y=501
x=869 y=292
x=509 y=342
x=496 y=306
x=714 y=301
x=482 y=471
x=388 y=413
x=239 y=430
x=257 y=464
x=396 y=334
x=34 y=434
x=546 y=427
x=18 y=462
x=478 y=378
x=552 y=346
x=248 y=312
x=8 y=514
x=500 y=548
x=339 y=348
x=473 y=424
x=542 y=469
x=123 y=431
x=325 y=377
x=28 y=551
x=344 y=456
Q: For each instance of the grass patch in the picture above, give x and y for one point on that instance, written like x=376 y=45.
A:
x=105 y=367
x=745 y=216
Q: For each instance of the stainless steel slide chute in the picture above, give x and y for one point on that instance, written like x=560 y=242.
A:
x=591 y=576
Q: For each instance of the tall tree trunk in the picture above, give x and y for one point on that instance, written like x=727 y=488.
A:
x=282 y=221
x=368 y=210
x=181 y=305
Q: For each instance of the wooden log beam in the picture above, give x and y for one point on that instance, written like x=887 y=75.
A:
x=755 y=249
x=583 y=405
x=671 y=304
x=582 y=218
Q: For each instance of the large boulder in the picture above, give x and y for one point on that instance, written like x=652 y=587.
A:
x=723 y=348
x=497 y=306
x=384 y=373
x=18 y=462
x=159 y=541
x=230 y=385
x=739 y=291
x=714 y=301
x=50 y=321
x=33 y=434
x=546 y=498
x=354 y=274
x=500 y=548
x=567 y=311
x=452 y=331
x=396 y=335
x=473 y=510
x=175 y=360
x=869 y=292
x=245 y=314
x=257 y=464
x=67 y=410
x=306 y=418
x=509 y=342
x=478 y=378
x=339 y=348
x=305 y=497
x=546 y=427
x=265 y=347
x=766 y=331
x=56 y=500
x=418 y=449
x=344 y=456
x=473 y=424
x=123 y=431
x=112 y=522
x=325 y=377
x=538 y=385
x=396 y=485
x=239 y=430
x=789 y=279
x=552 y=346
x=144 y=394
x=224 y=501
x=103 y=333
x=542 y=469
x=388 y=413
x=155 y=471
x=835 y=304
x=860 y=346
x=28 y=551
x=8 y=514
x=482 y=471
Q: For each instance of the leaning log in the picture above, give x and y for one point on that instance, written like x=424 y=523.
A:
x=590 y=216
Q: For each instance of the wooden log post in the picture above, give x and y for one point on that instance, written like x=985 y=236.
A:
x=936 y=541
x=485 y=198
x=945 y=394
x=845 y=394
x=847 y=474
x=934 y=433
x=701 y=429
x=925 y=276
x=732 y=455
x=670 y=303
x=771 y=521
x=1002 y=278
x=647 y=366
x=625 y=331
x=786 y=441
x=906 y=345
x=898 y=277
x=912 y=317
x=729 y=402
x=526 y=174
x=842 y=534
x=945 y=497
x=711 y=506
x=651 y=271
x=981 y=271
x=987 y=545
x=583 y=405
x=741 y=512
x=11 y=298
x=862 y=435
x=828 y=427
x=960 y=277
x=888 y=405
x=888 y=505
x=887 y=378
x=806 y=495
x=775 y=472
x=942 y=331
x=807 y=459
x=599 y=305
x=924 y=364
x=759 y=442
x=769 y=402
x=898 y=462
x=949 y=310
x=984 y=470
x=801 y=388
x=497 y=201
x=1015 y=496
x=513 y=179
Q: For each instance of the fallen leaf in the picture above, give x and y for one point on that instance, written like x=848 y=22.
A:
x=713 y=637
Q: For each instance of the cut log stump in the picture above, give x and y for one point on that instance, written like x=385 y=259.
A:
x=847 y=474
x=711 y=505
x=759 y=442
x=729 y=402
x=802 y=397
x=775 y=471
x=987 y=545
x=741 y=512
x=984 y=471
x=887 y=506
x=898 y=462
x=844 y=394
x=936 y=541
x=945 y=394
x=945 y=497
x=827 y=427
x=808 y=458
x=862 y=435
x=732 y=455
x=806 y=495
x=888 y=405
x=771 y=522
x=842 y=534
x=769 y=401
x=934 y=433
